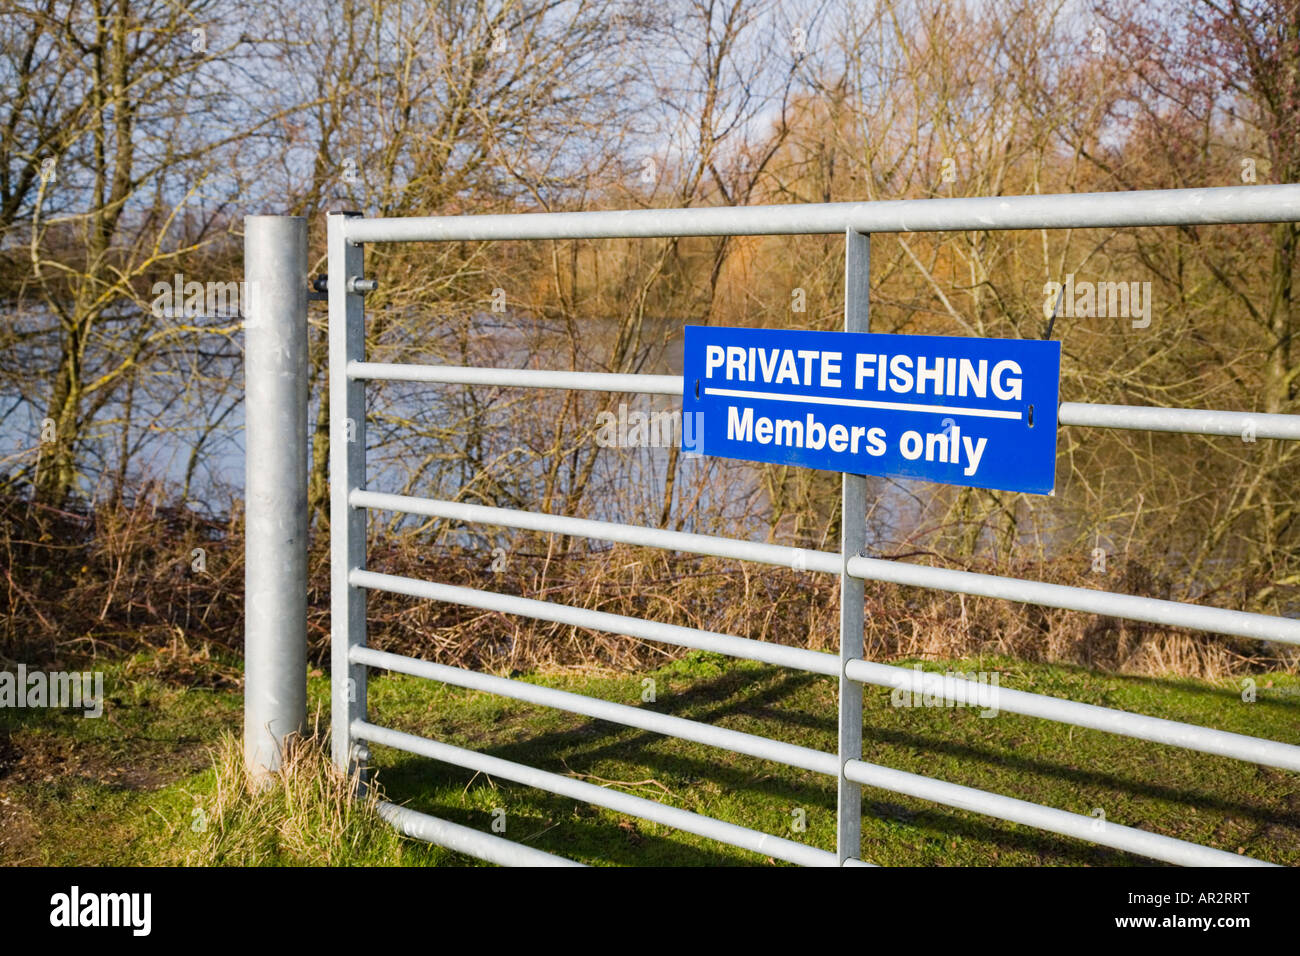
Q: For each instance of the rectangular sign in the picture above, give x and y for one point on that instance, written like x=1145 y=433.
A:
x=961 y=411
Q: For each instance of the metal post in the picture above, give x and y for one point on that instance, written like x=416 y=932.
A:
x=347 y=417
x=857 y=273
x=275 y=534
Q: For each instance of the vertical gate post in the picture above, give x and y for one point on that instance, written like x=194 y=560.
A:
x=347 y=397
x=275 y=470
x=853 y=509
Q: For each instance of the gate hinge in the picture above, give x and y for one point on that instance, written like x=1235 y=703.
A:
x=319 y=291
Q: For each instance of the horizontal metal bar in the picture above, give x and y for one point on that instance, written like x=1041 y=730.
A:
x=1257 y=750
x=1197 y=617
x=1192 y=421
x=734 y=740
x=1158 y=207
x=517 y=377
x=462 y=839
x=1092 y=829
x=756 y=551
x=1152 y=610
x=713 y=829
x=798 y=658
x=1175 y=733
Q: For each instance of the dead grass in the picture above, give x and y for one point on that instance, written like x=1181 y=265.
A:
x=772 y=604
x=122 y=579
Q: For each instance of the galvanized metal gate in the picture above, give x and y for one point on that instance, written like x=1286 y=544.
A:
x=350 y=500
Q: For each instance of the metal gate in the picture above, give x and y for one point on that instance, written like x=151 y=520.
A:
x=350 y=499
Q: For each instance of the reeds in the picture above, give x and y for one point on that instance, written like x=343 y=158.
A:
x=122 y=578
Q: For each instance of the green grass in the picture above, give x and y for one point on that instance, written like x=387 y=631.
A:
x=155 y=782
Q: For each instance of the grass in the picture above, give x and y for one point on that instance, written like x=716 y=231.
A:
x=157 y=779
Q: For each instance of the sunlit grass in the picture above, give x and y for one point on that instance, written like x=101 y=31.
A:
x=159 y=779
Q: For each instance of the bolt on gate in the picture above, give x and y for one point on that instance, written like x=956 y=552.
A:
x=350 y=499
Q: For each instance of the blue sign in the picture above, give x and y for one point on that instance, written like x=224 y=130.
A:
x=962 y=411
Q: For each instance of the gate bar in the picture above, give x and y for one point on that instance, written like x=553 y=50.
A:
x=713 y=829
x=780 y=655
x=853 y=539
x=1196 y=617
x=518 y=377
x=1223 y=743
x=463 y=839
x=1192 y=421
x=1091 y=829
x=765 y=748
x=1218 y=205
x=800 y=559
x=347 y=421
x=1188 y=421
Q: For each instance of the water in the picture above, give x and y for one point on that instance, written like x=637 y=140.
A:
x=497 y=446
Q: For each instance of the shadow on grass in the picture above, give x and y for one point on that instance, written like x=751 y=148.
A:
x=1283 y=701
x=766 y=694
x=549 y=822
x=418 y=782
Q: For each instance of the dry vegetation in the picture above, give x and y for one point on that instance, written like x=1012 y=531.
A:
x=103 y=578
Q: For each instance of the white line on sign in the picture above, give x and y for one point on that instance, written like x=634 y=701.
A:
x=862 y=403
